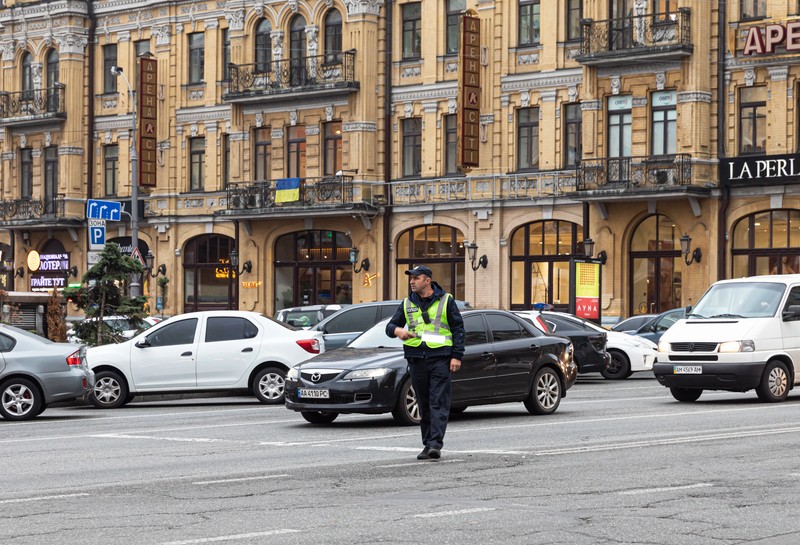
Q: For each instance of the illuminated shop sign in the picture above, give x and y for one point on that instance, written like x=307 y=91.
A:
x=41 y=282
x=773 y=169
x=765 y=39
x=585 y=285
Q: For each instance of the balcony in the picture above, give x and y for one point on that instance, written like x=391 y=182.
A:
x=317 y=76
x=507 y=187
x=28 y=211
x=32 y=107
x=616 y=42
x=330 y=195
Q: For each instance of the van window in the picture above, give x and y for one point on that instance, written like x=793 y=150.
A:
x=793 y=299
x=353 y=320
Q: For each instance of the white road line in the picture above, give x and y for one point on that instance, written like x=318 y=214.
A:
x=42 y=498
x=452 y=513
x=232 y=537
x=242 y=479
x=157 y=438
x=664 y=489
x=417 y=463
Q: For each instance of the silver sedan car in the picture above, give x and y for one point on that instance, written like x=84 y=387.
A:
x=35 y=372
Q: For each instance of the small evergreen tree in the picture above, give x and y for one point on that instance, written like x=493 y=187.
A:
x=56 y=325
x=103 y=294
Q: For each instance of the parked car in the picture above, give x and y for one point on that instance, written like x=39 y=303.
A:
x=588 y=340
x=352 y=321
x=202 y=351
x=121 y=328
x=630 y=325
x=505 y=359
x=656 y=327
x=35 y=372
x=307 y=316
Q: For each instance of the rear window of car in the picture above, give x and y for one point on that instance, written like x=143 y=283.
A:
x=229 y=328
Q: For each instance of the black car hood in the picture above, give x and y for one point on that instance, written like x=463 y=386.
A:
x=355 y=358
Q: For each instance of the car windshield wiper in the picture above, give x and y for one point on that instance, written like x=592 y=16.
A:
x=727 y=316
x=696 y=316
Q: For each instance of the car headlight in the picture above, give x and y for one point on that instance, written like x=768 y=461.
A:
x=366 y=374
x=737 y=346
x=293 y=374
x=663 y=346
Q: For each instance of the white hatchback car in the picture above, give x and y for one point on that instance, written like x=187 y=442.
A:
x=202 y=352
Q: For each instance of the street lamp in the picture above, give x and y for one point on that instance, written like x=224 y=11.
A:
x=135 y=280
x=150 y=260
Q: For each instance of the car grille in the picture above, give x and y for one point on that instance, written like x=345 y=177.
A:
x=693 y=347
x=320 y=376
x=693 y=358
x=334 y=399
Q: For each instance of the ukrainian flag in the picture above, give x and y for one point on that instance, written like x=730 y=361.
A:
x=287 y=190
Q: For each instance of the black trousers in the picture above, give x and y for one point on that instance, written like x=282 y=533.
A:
x=431 y=380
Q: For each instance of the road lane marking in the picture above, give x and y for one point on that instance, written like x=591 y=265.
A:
x=43 y=498
x=232 y=537
x=664 y=489
x=157 y=438
x=453 y=513
x=242 y=479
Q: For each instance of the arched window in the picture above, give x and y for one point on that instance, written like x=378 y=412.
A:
x=209 y=282
x=297 y=51
x=263 y=53
x=333 y=37
x=439 y=247
x=27 y=76
x=766 y=243
x=313 y=268
x=655 y=275
x=540 y=255
x=52 y=80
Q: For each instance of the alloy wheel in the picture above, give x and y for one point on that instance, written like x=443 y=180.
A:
x=18 y=399
x=547 y=390
x=412 y=407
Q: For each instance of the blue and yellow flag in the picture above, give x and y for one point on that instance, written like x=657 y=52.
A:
x=287 y=190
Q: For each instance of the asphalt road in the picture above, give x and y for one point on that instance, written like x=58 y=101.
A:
x=620 y=462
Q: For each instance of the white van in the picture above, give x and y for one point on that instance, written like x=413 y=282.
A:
x=741 y=334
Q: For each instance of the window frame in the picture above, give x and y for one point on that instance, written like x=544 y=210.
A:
x=226 y=54
x=412 y=147
x=26 y=173
x=333 y=37
x=197 y=163
x=754 y=4
x=411 y=46
x=332 y=148
x=197 y=63
x=262 y=49
x=573 y=32
x=452 y=31
x=50 y=190
x=262 y=153
x=666 y=122
x=296 y=150
x=110 y=170
x=753 y=106
x=109 y=60
x=450 y=126
x=530 y=130
x=573 y=128
x=529 y=12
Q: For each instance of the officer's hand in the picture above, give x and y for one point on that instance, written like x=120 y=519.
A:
x=403 y=334
x=455 y=365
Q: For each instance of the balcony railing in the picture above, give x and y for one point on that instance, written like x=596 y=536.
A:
x=320 y=72
x=49 y=208
x=529 y=185
x=655 y=35
x=37 y=102
x=632 y=173
x=314 y=192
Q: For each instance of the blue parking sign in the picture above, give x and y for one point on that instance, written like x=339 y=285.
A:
x=97 y=235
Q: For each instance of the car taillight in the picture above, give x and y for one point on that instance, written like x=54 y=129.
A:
x=74 y=359
x=309 y=345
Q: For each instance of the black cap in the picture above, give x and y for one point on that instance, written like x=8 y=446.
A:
x=421 y=269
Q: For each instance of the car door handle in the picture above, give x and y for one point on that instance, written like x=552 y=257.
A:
x=536 y=348
x=487 y=355
x=186 y=354
x=248 y=349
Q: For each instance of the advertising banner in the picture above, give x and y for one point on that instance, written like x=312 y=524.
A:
x=584 y=301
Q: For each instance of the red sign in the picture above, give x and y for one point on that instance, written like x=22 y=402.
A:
x=774 y=35
x=148 y=120
x=469 y=92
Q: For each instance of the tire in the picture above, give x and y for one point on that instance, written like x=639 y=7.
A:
x=316 y=417
x=269 y=385
x=686 y=395
x=545 y=394
x=128 y=399
x=619 y=366
x=20 y=399
x=110 y=390
x=406 y=410
x=774 y=384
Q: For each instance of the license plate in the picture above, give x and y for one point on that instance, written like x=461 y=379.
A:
x=687 y=370
x=316 y=394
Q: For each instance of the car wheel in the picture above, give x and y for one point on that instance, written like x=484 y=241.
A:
x=545 y=395
x=110 y=390
x=774 y=384
x=20 y=399
x=406 y=410
x=268 y=385
x=316 y=417
x=128 y=399
x=619 y=367
x=686 y=394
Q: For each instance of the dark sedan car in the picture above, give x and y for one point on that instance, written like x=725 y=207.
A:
x=589 y=344
x=505 y=359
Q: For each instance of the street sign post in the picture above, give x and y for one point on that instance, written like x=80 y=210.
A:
x=103 y=210
x=97 y=234
x=137 y=255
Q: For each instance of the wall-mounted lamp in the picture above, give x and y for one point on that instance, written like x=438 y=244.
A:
x=588 y=247
x=72 y=271
x=602 y=257
x=472 y=251
x=364 y=265
x=19 y=273
x=697 y=254
x=150 y=260
x=246 y=268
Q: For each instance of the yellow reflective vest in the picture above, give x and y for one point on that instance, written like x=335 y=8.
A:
x=436 y=331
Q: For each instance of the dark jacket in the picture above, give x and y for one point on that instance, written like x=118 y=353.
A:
x=454 y=321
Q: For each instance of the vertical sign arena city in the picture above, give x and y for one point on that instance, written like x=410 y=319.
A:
x=469 y=91
x=148 y=120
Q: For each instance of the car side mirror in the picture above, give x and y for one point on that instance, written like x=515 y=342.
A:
x=791 y=314
x=688 y=309
x=144 y=343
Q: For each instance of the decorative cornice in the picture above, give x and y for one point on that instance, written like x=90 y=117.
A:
x=437 y=91
x=360 y=126
x=694 y=96
x=643 y=68
x=70 y=150
x=112 y=122
x=204 y=114
x=541 y=80
x=363 y=7
x=778 y=73
x=590 y=105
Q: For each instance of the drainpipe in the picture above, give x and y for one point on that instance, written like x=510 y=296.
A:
x=90 y=114
x=722 y=217
x=387 y=155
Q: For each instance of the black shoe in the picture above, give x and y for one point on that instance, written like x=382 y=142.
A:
x=425 y=454
x=434 y=454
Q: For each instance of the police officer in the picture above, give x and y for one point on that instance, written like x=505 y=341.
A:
x=433 y=345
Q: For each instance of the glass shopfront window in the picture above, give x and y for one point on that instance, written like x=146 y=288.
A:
x=209 y=282
x=540 y=255
x=439 y=247
x=766 y=243
x=655 y=275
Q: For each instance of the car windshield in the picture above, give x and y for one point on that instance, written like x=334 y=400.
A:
x=375 y=337
x=739 y=300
